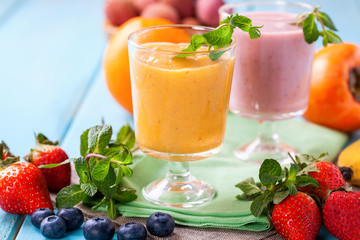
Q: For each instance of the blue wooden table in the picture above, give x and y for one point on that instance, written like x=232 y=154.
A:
x=51 y=77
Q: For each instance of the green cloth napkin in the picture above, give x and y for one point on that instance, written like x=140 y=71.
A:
x=223 y=171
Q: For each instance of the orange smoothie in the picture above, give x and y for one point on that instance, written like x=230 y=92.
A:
x=180 y=105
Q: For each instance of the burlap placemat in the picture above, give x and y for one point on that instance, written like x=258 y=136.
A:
x=181 y=232
x=190 y=233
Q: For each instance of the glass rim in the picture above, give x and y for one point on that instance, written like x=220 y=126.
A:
x=300 y=4
x=178 y=26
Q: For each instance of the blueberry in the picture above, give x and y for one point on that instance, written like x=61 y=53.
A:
x=98 y=229
x=132 y=231
x=39 y=214
x=53 y=227
x=73 y=217
x=160 y=224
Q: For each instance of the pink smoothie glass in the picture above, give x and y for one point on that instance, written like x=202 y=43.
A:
x=271 y=75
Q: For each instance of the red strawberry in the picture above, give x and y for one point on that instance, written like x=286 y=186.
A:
x=341 y=215
x=297 y=217
x=329 y=178
x=46 y=152
x=23 y=189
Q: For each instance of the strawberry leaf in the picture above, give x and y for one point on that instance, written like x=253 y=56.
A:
x=41 y=138
x=248 y=197
x=260 y=203
x=294 y=169
x=307 y=169
x=280 y=196
x=270 y=172
x=302 y=181
x=69 y=196
x=248 y=186
x=292 y=188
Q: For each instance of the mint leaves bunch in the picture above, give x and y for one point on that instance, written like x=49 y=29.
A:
x=276 y=183
x=101 y=168
x=221 y=36
x=310 y=29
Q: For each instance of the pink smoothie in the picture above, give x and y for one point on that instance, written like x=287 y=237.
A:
x=272 y=73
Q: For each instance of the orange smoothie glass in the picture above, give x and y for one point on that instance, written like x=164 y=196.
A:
x=180 y=108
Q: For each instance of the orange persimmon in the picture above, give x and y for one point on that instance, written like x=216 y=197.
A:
x=335 y=87
x=116 y=59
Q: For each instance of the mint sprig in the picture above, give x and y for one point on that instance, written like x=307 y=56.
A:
x=101 y=167
x=221 y=36
x=310 y=27
x=277 y=183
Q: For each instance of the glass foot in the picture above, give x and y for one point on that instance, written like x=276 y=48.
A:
x=257 y=152
x=178 y=190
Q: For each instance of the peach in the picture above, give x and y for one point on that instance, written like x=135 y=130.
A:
x=161 y=10
x=119 y=11
x=207 y=11
x=141 y=4
x=184 y=7
x=190 y=21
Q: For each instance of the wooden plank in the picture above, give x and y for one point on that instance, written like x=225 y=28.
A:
x=7 y=9
x=97 y=105
x=29 y=232
x=9 y=225
x=50 y=52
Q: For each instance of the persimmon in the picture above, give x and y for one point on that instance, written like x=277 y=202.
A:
x=116 y=59
x=335 y=88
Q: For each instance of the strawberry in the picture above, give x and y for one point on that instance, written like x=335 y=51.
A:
x=341 y=215
x=297 y=217
x=329 y=178
x=23 y=189
x=46 y=152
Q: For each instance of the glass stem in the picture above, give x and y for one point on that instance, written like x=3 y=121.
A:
x=267 y=134
x=178 y=172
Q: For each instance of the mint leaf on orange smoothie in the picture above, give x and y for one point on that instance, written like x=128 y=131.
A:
x=221 y=36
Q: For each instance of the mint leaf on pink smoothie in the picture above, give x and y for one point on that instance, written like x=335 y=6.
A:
x=310 y=29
